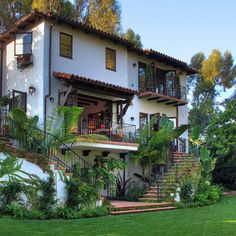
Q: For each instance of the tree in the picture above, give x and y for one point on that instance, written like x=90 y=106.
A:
x=132 y=37
x=13 y=10
x=81 y=7
x=216 y=73
x=61 y=7
x=221 y=140
x=104 y=15
x=221 y=131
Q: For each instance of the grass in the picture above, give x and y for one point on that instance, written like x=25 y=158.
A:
x=219 y=219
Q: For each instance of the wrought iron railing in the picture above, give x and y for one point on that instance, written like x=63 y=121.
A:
x=177 y=92
x=36 y=141
x=113 y=131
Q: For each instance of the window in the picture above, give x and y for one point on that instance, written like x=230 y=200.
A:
x=156 y=118
x=66 y=45
x=110 y=59
x=142 y=76
x=170 y=83
x=19 y=100
x=143 y=119
x=23 y=44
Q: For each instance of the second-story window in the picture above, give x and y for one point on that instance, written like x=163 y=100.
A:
x=142 y=76
x=110 y=59
x=66 y=45
x=23 y=44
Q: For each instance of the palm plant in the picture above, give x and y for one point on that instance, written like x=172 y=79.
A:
x=154 y=146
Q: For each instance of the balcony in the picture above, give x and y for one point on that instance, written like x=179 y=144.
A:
x=112 y=131
x=175 y=95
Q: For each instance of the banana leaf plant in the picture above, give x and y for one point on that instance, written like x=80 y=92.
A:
x=154 y=146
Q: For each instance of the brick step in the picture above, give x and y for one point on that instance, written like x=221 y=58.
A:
x=142 y=206
x=142 y=210
x=150 y=194
x=149 y=199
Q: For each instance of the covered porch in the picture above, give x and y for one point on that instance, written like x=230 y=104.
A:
x=104 y=106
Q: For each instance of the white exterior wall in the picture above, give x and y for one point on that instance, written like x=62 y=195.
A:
x=14 y=79
x=33 y=169
x=88 y=57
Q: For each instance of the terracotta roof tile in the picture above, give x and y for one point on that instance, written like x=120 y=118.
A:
x=36 y=15
x=72 y=77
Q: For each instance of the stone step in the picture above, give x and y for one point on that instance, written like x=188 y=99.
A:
x=142 y=210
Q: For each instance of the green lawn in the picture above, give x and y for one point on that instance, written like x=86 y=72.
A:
x=219 y=219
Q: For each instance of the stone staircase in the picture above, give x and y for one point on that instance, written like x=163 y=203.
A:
x=165 y=188
x=122 y=207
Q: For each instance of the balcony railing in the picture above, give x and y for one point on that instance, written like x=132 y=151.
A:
x=177 y=92
x=113 y=131
x=24 y=60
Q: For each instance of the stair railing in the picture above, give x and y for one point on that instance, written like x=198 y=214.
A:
x=36 y=141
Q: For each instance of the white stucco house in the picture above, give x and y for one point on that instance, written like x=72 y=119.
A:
x=48 y=61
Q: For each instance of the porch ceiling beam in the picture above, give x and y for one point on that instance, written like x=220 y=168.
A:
x=92 y=97
x=154 y=98
x=164 y=100
x=83 y=103
x=180 y=104
x=66 y=96
x=126 y=108
x=105 y=154
x=171 y=103
x=87 y=100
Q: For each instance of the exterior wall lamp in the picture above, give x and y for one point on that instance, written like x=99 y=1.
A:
x=31 y=90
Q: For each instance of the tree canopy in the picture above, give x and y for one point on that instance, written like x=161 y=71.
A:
x=216 y=73
x=104 y=15
x=132 y=37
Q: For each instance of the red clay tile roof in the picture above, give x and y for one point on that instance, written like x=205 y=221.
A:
x=36 y=16
x=77 y=78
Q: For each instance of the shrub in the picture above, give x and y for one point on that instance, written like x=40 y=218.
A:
x=10 y=192
x=80 y=195
x=94 y=212
x=224 y=172
x=207 y=194
x=16 y=211
x=47 y=200
x=134 y=193
x=64 y=213
x=68 y=213
x=186 y=191
x=36 y=215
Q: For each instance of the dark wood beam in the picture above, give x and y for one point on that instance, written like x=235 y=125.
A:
x=171 y=103
x=93 y=97
x=164 y=100
x=105 y=154
x=86 y=152
x=87 y=100
x=154 y=98
x=180 y=104
x=83 y=103
x=66 y=96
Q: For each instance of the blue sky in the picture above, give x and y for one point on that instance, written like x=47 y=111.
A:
x=181 y=28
